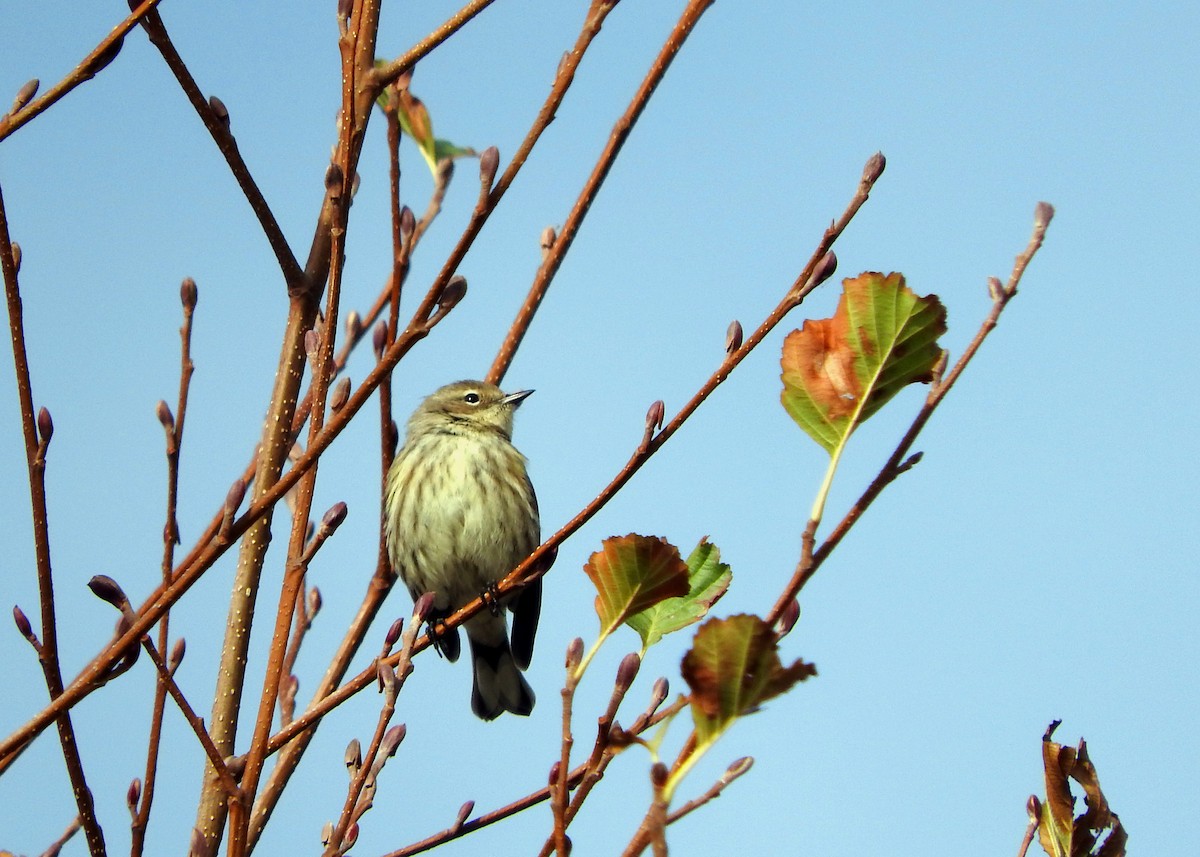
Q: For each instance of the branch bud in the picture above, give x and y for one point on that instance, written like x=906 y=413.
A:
x=489 y=162
x=453 y=292
x=102 y=60
x=188 y=295
x=314 y=602
x=995 y=289
x=22 y=622
x=379 y=339
x=574 y=653
x=627 y=671
x=408 y=224
x=107 y=589
x=1043 y=214
x=554 y=769
x=220 y=111
x=163 y=411
x=654 y=416
x=25 y=94
x=386 y=677
x=874 y=168
x=132 y=795
x=548 y=237
x=341 y=394
x=658 y=775
x=312 y=345
x=391 y=739
x=177 y=653
x=423 y=606
x=333 y=178
x=45 y=425
x=393 y=633
x=233 y=499
x=16 y=254
x=738 y=767
x=1033 y=806
x=464 y=812
x=824 y=270
x=353 y=325
x=787 y=619
x=353 y=755
x=661 y=688
x=733 y=337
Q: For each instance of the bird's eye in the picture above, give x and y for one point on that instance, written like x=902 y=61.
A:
x=471 y=398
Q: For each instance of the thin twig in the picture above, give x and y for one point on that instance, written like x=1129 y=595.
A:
x=616 y=140
x=35 y=459
x=88 y=67
x=188 y=296
x=390 y=72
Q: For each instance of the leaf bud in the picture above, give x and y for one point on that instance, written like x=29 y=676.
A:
x=188 y=294
x=574 y=653
x=353 y=755
x=107 y=589
x=25 y=94
x=22 y=622
x=45 y=425
x=874 y=168
x=392 y=739
x=1043 y=214
x=16 y=255
x=379 y=338
x=133 y=794
x=452 y=293
x=733 y=337
x=220 y=111
x=163 y=411
x=353 y=325
x=489 y=162
x=408 y=224
x=423 y=606
x=102 y=60
x=393 y=633
x=314 y=602
x=177 y=653
x=627 y=671
x=659 y=774
x=464 y=812
x=341 y=394
x=824 y=269
x=334 y=517
x=654 y=416
x=738 y=767
x=237 y=493
x=787 y=619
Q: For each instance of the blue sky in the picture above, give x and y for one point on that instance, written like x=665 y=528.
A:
x=1035 y=566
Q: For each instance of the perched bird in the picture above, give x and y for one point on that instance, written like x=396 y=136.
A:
x=460 y=514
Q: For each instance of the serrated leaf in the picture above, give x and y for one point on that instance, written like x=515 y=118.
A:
x=632 y=573
x=839 y=371
x=732 y=668
x=1062 y=833
x=708 y=579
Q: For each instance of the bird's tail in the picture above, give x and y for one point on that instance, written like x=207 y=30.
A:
x=499 y=685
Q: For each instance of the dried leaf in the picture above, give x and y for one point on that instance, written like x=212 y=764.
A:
x=1060 y=831
x=732 y=668
x=708 y=579
x=632 y=573
x=839 y=371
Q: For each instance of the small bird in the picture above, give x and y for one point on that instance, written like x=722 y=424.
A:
x=459 y=515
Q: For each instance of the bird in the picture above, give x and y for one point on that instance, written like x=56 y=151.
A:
x=459 y=514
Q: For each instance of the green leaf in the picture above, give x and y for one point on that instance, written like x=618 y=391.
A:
x=416 y=123
x=732 y=668
x=839 y=371
x=632 y=573
x=708 y=579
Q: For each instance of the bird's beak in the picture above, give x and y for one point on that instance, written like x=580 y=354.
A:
x=516 y=398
